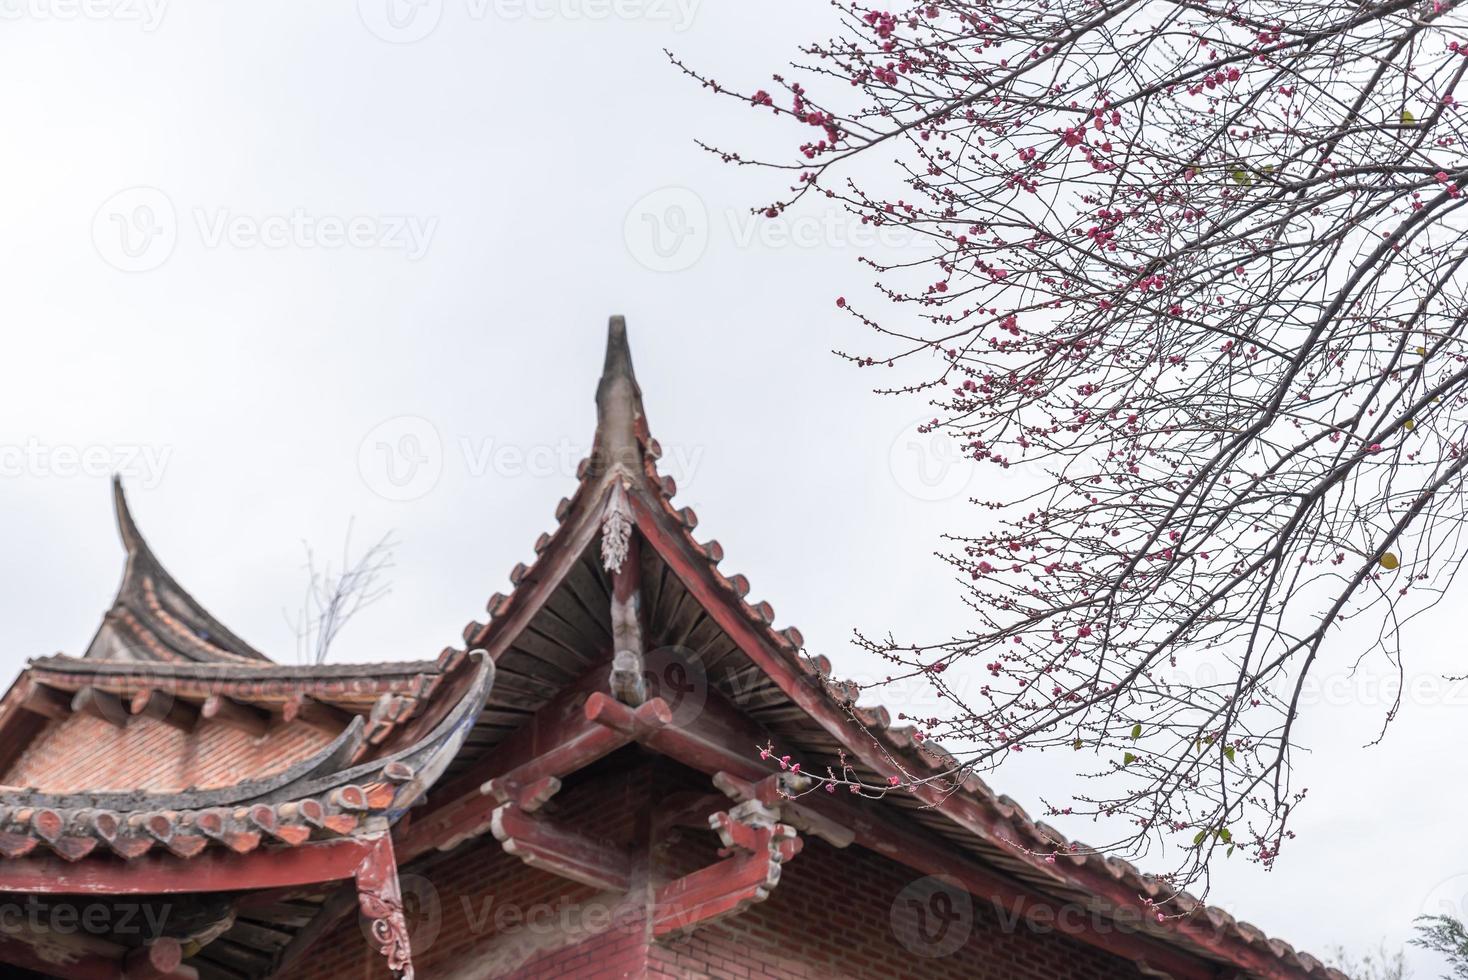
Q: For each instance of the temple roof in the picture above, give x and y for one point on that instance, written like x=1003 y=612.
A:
x=153 y=618
x=689 y=602
x=617 y=584
x=384 y=724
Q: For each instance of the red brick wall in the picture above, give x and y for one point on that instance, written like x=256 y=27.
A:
x=85 y=753
x=831 y=916
x=851 y=914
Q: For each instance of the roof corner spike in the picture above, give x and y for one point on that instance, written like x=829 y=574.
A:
x=127 y=528
x=621 y=425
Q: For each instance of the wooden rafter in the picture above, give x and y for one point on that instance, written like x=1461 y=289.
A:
x=161 y=705
x=47 y=701
x=303 y=707
x=236 y=714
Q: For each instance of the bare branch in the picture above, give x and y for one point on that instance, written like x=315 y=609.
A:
x=334 y=597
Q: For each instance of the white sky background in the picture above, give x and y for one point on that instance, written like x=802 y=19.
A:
x=243 y=387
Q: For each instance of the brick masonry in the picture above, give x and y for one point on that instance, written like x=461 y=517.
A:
x=84 y=753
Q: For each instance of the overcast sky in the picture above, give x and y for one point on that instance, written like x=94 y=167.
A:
x=284 y=265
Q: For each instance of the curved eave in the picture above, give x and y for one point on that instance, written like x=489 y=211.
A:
x=317 y=800
x=153 y=618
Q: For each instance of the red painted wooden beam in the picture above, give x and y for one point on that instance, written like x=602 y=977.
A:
x=562 y=851
x=729 y=886
x=563 y=737
x=706 y=743
x=210 y=871
x=585 y=744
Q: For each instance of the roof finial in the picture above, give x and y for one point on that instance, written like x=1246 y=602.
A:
x=127 y=528
x=620 y=422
